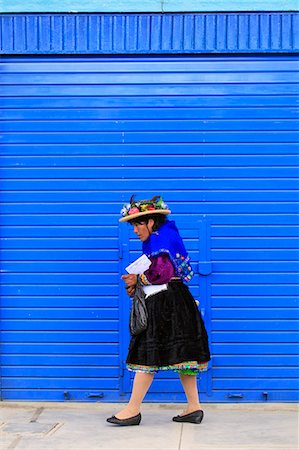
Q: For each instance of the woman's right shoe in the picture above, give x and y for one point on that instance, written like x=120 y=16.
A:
x=135 y=420
x=194 y=417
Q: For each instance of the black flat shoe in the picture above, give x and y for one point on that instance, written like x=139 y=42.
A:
x=194 y=417
x=135 y=420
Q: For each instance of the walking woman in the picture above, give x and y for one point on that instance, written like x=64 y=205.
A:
x=175 y=338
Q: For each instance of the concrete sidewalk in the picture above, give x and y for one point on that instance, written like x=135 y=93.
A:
x=82 y=426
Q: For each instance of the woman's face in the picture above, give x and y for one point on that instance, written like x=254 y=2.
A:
x=143 y=229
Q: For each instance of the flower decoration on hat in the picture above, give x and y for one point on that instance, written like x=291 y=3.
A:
x=134 y=209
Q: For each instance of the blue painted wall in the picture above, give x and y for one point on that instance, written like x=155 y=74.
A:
x=147 y=6
x=149 y=33
x=80 y=133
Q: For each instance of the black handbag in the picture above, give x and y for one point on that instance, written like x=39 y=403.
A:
x=138 y=314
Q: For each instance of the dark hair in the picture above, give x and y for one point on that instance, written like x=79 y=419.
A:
x=158 y=219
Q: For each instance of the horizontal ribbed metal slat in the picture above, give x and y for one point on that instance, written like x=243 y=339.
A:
x=218 y=138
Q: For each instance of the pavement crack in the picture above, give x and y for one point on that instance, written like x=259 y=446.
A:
x=55 y=428
x=181 y=437
x=36 y=414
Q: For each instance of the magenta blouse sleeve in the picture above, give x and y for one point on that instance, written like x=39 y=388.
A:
x=160 y=271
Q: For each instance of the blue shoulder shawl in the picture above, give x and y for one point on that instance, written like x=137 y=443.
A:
x=167 y=240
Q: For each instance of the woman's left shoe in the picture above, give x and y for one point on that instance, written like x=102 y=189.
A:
x=135 y=420
x=194 y=417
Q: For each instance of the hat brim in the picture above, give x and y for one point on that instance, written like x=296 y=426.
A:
x=144 y=213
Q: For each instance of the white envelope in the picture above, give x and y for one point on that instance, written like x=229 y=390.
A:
x=139 y=266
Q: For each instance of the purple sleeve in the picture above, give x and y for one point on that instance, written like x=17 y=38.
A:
x=160 y=271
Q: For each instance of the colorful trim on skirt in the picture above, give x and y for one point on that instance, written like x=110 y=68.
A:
x=185 y=368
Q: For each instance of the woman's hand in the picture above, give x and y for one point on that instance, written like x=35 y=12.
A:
x=130 y=291
x=131 y=281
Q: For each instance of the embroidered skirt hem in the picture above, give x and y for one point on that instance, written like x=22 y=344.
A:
x=184 y=368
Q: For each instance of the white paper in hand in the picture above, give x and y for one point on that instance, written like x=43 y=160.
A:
x=139 y=266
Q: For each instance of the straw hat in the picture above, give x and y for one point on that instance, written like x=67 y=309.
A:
x=140 y=208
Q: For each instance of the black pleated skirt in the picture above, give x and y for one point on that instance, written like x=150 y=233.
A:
x=175 y=334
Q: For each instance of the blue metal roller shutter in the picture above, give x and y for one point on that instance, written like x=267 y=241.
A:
x=218 y=138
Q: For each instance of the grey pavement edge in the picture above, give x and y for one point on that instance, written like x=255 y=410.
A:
x=82 y=426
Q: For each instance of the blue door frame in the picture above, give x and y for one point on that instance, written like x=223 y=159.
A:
x=200 y=290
